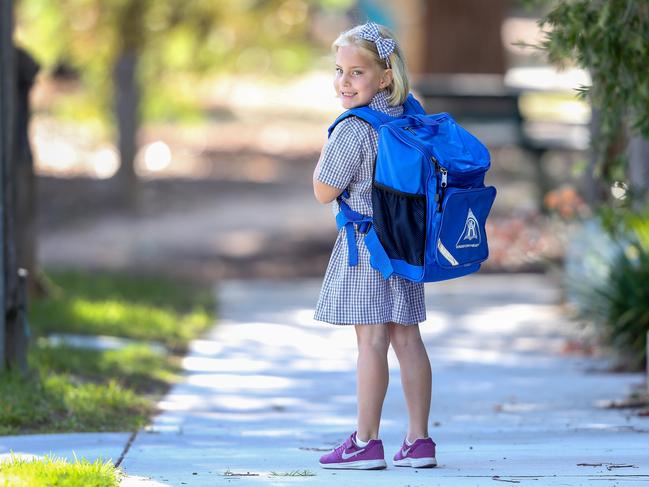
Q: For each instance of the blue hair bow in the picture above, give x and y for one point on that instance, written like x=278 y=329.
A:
x=385 y=47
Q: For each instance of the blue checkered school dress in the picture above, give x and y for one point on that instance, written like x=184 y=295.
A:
x=359 y=294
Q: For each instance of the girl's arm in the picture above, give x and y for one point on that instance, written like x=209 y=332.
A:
x=340 y=159
x=323 y=192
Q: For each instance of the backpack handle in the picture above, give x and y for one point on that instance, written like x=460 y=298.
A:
x=431 y=120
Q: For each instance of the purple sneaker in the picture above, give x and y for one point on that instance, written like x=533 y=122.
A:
x=350 y=455
x=420 y=454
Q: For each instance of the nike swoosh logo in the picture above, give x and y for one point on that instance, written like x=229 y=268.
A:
x=347 y=456
x=405 y=452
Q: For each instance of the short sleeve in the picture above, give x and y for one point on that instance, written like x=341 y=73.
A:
x=342 y=155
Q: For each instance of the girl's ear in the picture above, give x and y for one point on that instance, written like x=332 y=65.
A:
x=386 y=79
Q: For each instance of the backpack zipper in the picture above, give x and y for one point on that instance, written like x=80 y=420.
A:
x=443 y=184
x=439 y=197
x=410 y=141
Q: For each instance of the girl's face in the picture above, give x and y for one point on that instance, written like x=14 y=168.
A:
x=358 y=78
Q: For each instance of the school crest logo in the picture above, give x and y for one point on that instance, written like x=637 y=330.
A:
x=470 y=236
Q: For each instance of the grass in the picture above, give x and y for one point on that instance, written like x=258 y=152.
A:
x=147 y=308
x=47 y=403
x=50 y=471
x=76 y=389
x=136 y=367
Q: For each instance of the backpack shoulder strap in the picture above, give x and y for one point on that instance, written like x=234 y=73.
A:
x=373 y=117
x=412 y=106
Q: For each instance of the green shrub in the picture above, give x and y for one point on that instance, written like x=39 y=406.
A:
x=607 y=280
x=624 y=296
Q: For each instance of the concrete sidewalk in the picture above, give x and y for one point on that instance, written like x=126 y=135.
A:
x=269 y=390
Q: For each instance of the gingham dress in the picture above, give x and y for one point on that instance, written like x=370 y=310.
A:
x=359 y=294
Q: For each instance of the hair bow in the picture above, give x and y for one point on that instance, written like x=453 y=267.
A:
x=384 y=46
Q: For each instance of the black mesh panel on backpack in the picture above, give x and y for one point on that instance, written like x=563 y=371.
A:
x=400 y=223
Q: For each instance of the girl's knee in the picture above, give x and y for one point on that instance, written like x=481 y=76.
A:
x=404 y=336
x=376 y=337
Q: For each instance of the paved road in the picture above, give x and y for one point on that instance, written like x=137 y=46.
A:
x=269 y=389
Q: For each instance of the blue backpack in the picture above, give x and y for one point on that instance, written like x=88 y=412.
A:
x=429 y=200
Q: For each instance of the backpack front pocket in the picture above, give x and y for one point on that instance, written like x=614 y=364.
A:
x=400 y=223
x=461 y=237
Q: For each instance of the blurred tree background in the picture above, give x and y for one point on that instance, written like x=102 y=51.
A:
x=141 y=59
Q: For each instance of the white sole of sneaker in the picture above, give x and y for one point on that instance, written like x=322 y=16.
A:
x=358 y=465
x=416 y=462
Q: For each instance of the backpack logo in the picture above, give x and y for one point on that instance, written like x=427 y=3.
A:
x=470 y=236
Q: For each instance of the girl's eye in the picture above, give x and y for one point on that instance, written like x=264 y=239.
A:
x=357 y=73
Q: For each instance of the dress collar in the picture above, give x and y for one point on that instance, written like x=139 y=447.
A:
x=379 y=102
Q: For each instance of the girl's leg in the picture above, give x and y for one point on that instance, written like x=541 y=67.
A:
x=416 y=377
x=372 y=377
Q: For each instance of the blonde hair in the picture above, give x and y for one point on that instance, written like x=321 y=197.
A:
x=400 y=86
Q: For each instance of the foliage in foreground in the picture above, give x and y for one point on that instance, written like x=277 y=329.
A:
x=57 y=472
x=614 y=293
x=625 y=295
x=609 y=39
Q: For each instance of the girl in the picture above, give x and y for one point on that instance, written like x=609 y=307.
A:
x=370 y=71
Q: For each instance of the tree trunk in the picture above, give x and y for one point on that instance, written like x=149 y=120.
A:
x=26 y=191
x=127 y=100
x=15 y=338
x=638 y=152
x=6 y=123
x=15 y=332
x=595 y=192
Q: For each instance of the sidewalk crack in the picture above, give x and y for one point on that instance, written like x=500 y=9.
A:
x=126 y=448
